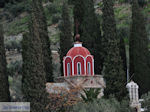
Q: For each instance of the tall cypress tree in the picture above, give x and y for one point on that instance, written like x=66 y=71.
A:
x=91 y=35
x=34 y=80
x=113 y=67
x=123 y=51
x=43 y=35
x=66 y=39
x=78 y=13
x=89 y=29
x=4 y=85
x=139 y=49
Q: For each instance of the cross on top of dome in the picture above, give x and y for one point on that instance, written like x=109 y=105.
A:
x=77 y=36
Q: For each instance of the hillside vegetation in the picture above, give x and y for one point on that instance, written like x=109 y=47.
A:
x=14 y=16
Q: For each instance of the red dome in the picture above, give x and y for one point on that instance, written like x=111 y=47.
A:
x=78 y=50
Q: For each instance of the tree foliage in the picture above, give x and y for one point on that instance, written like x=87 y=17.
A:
x=102 y=105
x=139 y=55
x=90 y=95
x=33 y=80
x=4 y=85
x=78 y=13
x=91 y=34
x=113 y=67
x=66 y=39
x=63 y=99
x=42 y=32
x=123 y=53
x=146 y=102
x=34 y=73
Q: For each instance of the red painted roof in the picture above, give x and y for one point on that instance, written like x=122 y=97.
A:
x=78 y=51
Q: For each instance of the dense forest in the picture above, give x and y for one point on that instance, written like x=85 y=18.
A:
x=35 y=35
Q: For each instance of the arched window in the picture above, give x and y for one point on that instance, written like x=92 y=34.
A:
x=68 y=69
x=79 y=68
x=89 y=68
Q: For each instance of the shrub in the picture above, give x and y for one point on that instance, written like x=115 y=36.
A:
x=146 y=102
x=90 y=95
x=103 y=105
x=63 y=99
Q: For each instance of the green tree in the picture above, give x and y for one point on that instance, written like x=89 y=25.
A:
x=87 y=25
x=91 y=35
x=123 y=52
x=4 y=85
x=138 y=50
x=34 y=80
x=78 y=13
x=39 y=17
x=66 y=39
x=113 y=66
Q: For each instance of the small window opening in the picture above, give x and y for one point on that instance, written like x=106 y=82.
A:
x=68 y=69
x=79 y=68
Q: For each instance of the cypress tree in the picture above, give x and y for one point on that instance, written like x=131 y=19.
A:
x=113 y=66
x=139 y=49
x=34 y=80
x=89 y=29
x=66 y=39
x=123 y=53
x=142 y=3
x=91 y=35
x=4 y=85
x=43 y=35
x=78 y=13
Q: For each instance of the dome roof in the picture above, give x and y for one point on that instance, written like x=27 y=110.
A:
x=78 y=50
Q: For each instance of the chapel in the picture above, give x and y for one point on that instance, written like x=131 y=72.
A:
x=78 y=70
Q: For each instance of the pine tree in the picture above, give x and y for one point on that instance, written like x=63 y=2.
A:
x=43 y=34
x=4 y=85
x=66 y=39
x=91 y=35
x=34 y=80
x=113 y=66
x=138 y=42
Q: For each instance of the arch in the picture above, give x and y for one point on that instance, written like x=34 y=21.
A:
x=67 y=60
x=81 y=59
x=89 y=59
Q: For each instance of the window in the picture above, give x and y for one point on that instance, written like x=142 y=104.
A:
x=68 y=69
x=79 y=68
x=89 y=68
